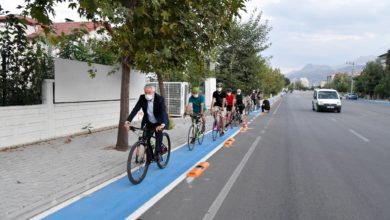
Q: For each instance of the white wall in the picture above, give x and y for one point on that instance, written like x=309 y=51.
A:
x=74 y=84
x=25 y=124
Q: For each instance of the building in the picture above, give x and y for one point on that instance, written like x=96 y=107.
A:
x=382 y=59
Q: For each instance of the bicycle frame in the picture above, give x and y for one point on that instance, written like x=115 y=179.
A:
x=145 y=137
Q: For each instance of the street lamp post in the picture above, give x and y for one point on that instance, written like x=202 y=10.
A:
x=353 y=69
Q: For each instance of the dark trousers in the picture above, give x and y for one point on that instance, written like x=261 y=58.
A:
x=151 y=128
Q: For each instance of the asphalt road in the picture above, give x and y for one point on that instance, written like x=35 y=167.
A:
x=294 y=163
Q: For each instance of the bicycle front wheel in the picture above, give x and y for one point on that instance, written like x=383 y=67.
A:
x=138 y=162
x=200 y=134
x=191 y=138
x=166 y=151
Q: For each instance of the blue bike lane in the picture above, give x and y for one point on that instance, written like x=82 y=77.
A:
x=123 y=200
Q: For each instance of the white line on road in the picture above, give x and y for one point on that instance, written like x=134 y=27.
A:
x=224 y=192
x=359 y=135
x=333 y=119
x=277 y=108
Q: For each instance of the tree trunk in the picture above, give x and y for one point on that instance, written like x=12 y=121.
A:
x=161 y=86
x=4 y=77
x=122 y=139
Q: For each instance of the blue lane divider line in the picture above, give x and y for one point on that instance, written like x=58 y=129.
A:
x=120 y=198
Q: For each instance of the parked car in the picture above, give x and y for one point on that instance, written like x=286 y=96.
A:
x=326 y=100
x=352 y=96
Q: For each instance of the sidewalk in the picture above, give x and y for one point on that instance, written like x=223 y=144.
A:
x=36 y=177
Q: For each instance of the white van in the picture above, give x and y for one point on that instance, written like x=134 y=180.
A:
x=326 y=100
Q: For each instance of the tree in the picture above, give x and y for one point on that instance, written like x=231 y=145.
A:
x=369 y=79
x=383 y=88
x=152 y=35
x=240 y=60
x=341 y=82
x=24 y=64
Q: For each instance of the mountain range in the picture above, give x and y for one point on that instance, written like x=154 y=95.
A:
x=317 y=73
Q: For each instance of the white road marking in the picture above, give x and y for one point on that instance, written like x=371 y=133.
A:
x=225 y=190
x=277 y=108
x=333 y=119
x=172 y=185
x=359 y=135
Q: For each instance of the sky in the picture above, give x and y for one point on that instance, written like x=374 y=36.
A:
x=324 y=32
x=321 y=32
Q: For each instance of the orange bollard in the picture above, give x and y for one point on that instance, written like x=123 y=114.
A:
x=199 y=169
x=228 y=143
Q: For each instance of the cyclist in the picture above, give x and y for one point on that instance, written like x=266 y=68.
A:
x=155 y=117
x=253 y=97
x=218 y=104
x=198 y=104
x=230 y=108
x=258 y=98
x=240 y=102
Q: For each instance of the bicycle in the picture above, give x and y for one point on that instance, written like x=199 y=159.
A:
x=236 y=118
x=142 y=154
x=248 y=108
x=217 y=127
x=196 y=131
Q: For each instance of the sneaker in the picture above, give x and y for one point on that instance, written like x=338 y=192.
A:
x=192 y=140
x=157 y=157
x=222 y=134
x=164 y=149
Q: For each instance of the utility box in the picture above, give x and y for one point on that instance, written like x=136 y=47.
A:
x=177 y=94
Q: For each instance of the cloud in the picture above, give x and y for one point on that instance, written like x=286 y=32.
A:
x=324 y=32
x=333 y=37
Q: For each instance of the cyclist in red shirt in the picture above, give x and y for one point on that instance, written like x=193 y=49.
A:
x=230 y=105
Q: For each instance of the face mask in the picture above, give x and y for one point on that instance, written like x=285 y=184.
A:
x=238 y=93
x=148 y=97
x=195 y=95
x=219 y=89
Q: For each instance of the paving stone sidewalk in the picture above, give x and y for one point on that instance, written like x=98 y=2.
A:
x=36 y=177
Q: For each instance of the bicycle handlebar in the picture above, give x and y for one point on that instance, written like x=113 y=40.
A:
x=132 y=128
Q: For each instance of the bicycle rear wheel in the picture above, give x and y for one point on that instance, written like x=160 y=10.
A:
x=138 y=162
x=215 y=131
x=166 y=151
x=235 y=121
x=191 y=139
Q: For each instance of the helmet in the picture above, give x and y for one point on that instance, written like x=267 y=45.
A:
x=229 y=90
x=219 y=85
x=195 y=90
x=238 y=90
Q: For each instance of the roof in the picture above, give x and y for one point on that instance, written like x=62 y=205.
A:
x=67 y=27
x=59 y=28
x=29 y=21
x=383 y=55
x=330 y=90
